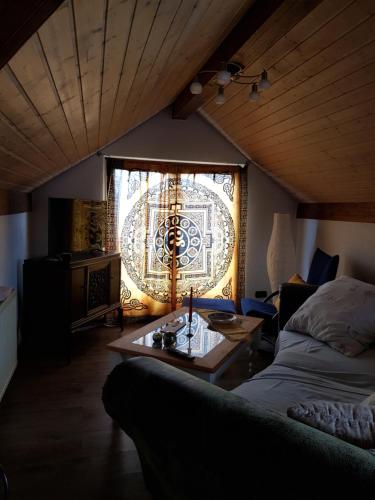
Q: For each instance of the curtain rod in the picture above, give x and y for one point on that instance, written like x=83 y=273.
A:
x=135 y=158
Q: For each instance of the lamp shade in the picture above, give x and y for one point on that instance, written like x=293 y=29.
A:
x=281 y=254
x=264 y=83
x=223 y=77
x=196 y=87
x=254 y=92
x=220 y=98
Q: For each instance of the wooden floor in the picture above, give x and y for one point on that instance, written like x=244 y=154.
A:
x=57 y=442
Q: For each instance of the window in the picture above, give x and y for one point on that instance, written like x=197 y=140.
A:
x=175 y=229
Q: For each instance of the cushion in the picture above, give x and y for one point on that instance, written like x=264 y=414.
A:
x=296 y=278
x=225 y=305
x=323 y=268
x=253 y=307
x=349 y=422
x=340 y=313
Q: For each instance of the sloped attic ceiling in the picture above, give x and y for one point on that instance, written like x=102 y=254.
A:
x=96 y=69
x=313 y=130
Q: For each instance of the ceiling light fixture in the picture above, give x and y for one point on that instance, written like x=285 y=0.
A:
x=254 y=94
x=232 y=72
x=196 y=87
x=220 y=97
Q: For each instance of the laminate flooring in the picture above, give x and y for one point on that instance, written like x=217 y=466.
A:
x=57 y=442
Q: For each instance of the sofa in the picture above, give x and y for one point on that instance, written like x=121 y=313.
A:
x=198 y=441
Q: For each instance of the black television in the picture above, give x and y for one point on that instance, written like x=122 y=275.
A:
x=75 y=225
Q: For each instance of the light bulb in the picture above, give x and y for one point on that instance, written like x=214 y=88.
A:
x=220 y=98
x=264 y=83
x=223 y=77
x=196 y=87
x=254 y=96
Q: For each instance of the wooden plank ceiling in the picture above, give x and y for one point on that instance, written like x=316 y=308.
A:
x=313 y=130
x=96 y=69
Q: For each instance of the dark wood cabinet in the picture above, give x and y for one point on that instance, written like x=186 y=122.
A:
x=63 y=294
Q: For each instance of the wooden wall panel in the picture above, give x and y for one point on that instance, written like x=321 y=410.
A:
x=95 y=69
x=197 y=43
x=164 y=19
x=60 y=49
x=119 y=23
x=137 y=109
x=146 y=13
x=33 y=78
x=12 y=202
x=310 y=131
x=90 y=27
x=17 y=111
x=19 y=20
x=351 y=212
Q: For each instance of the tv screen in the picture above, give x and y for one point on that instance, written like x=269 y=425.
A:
x=75 y=225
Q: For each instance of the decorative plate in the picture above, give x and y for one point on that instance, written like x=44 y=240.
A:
x=222 y=317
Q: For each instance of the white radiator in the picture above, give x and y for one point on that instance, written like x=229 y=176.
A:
x=8 y=340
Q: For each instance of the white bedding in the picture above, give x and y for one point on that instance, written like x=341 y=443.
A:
x=306 y=369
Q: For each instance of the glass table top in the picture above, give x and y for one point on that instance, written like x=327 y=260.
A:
x=203 y=339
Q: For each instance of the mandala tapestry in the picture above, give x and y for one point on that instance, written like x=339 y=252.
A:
x=176 y=232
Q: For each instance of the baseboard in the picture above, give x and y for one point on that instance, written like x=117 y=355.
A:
x=2 y=391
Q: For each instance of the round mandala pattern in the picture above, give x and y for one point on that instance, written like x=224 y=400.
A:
x=174 y=233
x=202 y=233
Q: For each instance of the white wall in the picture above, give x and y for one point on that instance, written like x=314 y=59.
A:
x=183 y=140
x=354 y=242
x=305 y=244
x=161 y=137
x=13 y=248
x=85 y=181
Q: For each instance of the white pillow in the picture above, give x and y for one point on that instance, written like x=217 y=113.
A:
x=340 y=313
x=352 y=423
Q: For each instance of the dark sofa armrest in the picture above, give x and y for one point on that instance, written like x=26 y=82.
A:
x=292 y=296
x=197 y=441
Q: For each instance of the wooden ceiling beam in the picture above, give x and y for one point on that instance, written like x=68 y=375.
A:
x=20 y=19
x=12 y=202
x=187 y=103
x=349 y=212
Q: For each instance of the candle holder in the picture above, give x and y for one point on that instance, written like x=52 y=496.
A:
x=191 y=305
x=189 y=334
x=189 y=345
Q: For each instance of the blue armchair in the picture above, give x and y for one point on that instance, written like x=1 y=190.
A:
x=224 y=305
x=323 y=268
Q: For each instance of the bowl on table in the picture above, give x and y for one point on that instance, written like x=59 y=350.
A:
x=222 y=318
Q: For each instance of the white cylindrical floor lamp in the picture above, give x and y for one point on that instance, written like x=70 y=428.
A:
x=281 y=253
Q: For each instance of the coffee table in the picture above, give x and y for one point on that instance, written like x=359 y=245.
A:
x=213 y=352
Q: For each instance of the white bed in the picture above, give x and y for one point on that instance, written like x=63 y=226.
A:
x=307 y=369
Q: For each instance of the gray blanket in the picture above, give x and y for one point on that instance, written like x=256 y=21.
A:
x=306 y=369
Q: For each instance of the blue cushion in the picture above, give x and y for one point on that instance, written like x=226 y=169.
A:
x=323 y=268
x=225 y=305
x=253 y=307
